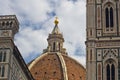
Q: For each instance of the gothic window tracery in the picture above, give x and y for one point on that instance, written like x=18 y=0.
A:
x=109 y=17
x=110 y=71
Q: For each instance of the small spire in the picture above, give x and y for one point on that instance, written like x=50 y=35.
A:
x=56 y=21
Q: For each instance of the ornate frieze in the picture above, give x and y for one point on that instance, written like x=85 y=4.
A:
x=107 y=44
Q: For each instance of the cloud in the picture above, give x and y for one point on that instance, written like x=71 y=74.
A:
x=72 y=23
x=31 y=41
x=34 y=10
x=36 y=22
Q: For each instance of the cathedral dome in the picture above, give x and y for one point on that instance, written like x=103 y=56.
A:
x=56 y=66
x=54 y=63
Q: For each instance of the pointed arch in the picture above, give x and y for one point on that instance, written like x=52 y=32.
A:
x=110 y=69
x=109 y=16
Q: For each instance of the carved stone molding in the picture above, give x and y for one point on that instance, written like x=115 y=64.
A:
x=107 y=44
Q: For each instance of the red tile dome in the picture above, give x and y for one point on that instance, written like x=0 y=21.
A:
x=56 y=66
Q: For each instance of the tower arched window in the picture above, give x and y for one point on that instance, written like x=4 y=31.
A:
x=110 y=72
x=109 y=17
x=59 y=46
x=54 y=46
x=113 y=72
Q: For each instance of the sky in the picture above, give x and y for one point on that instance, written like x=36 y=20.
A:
x=36 y=18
